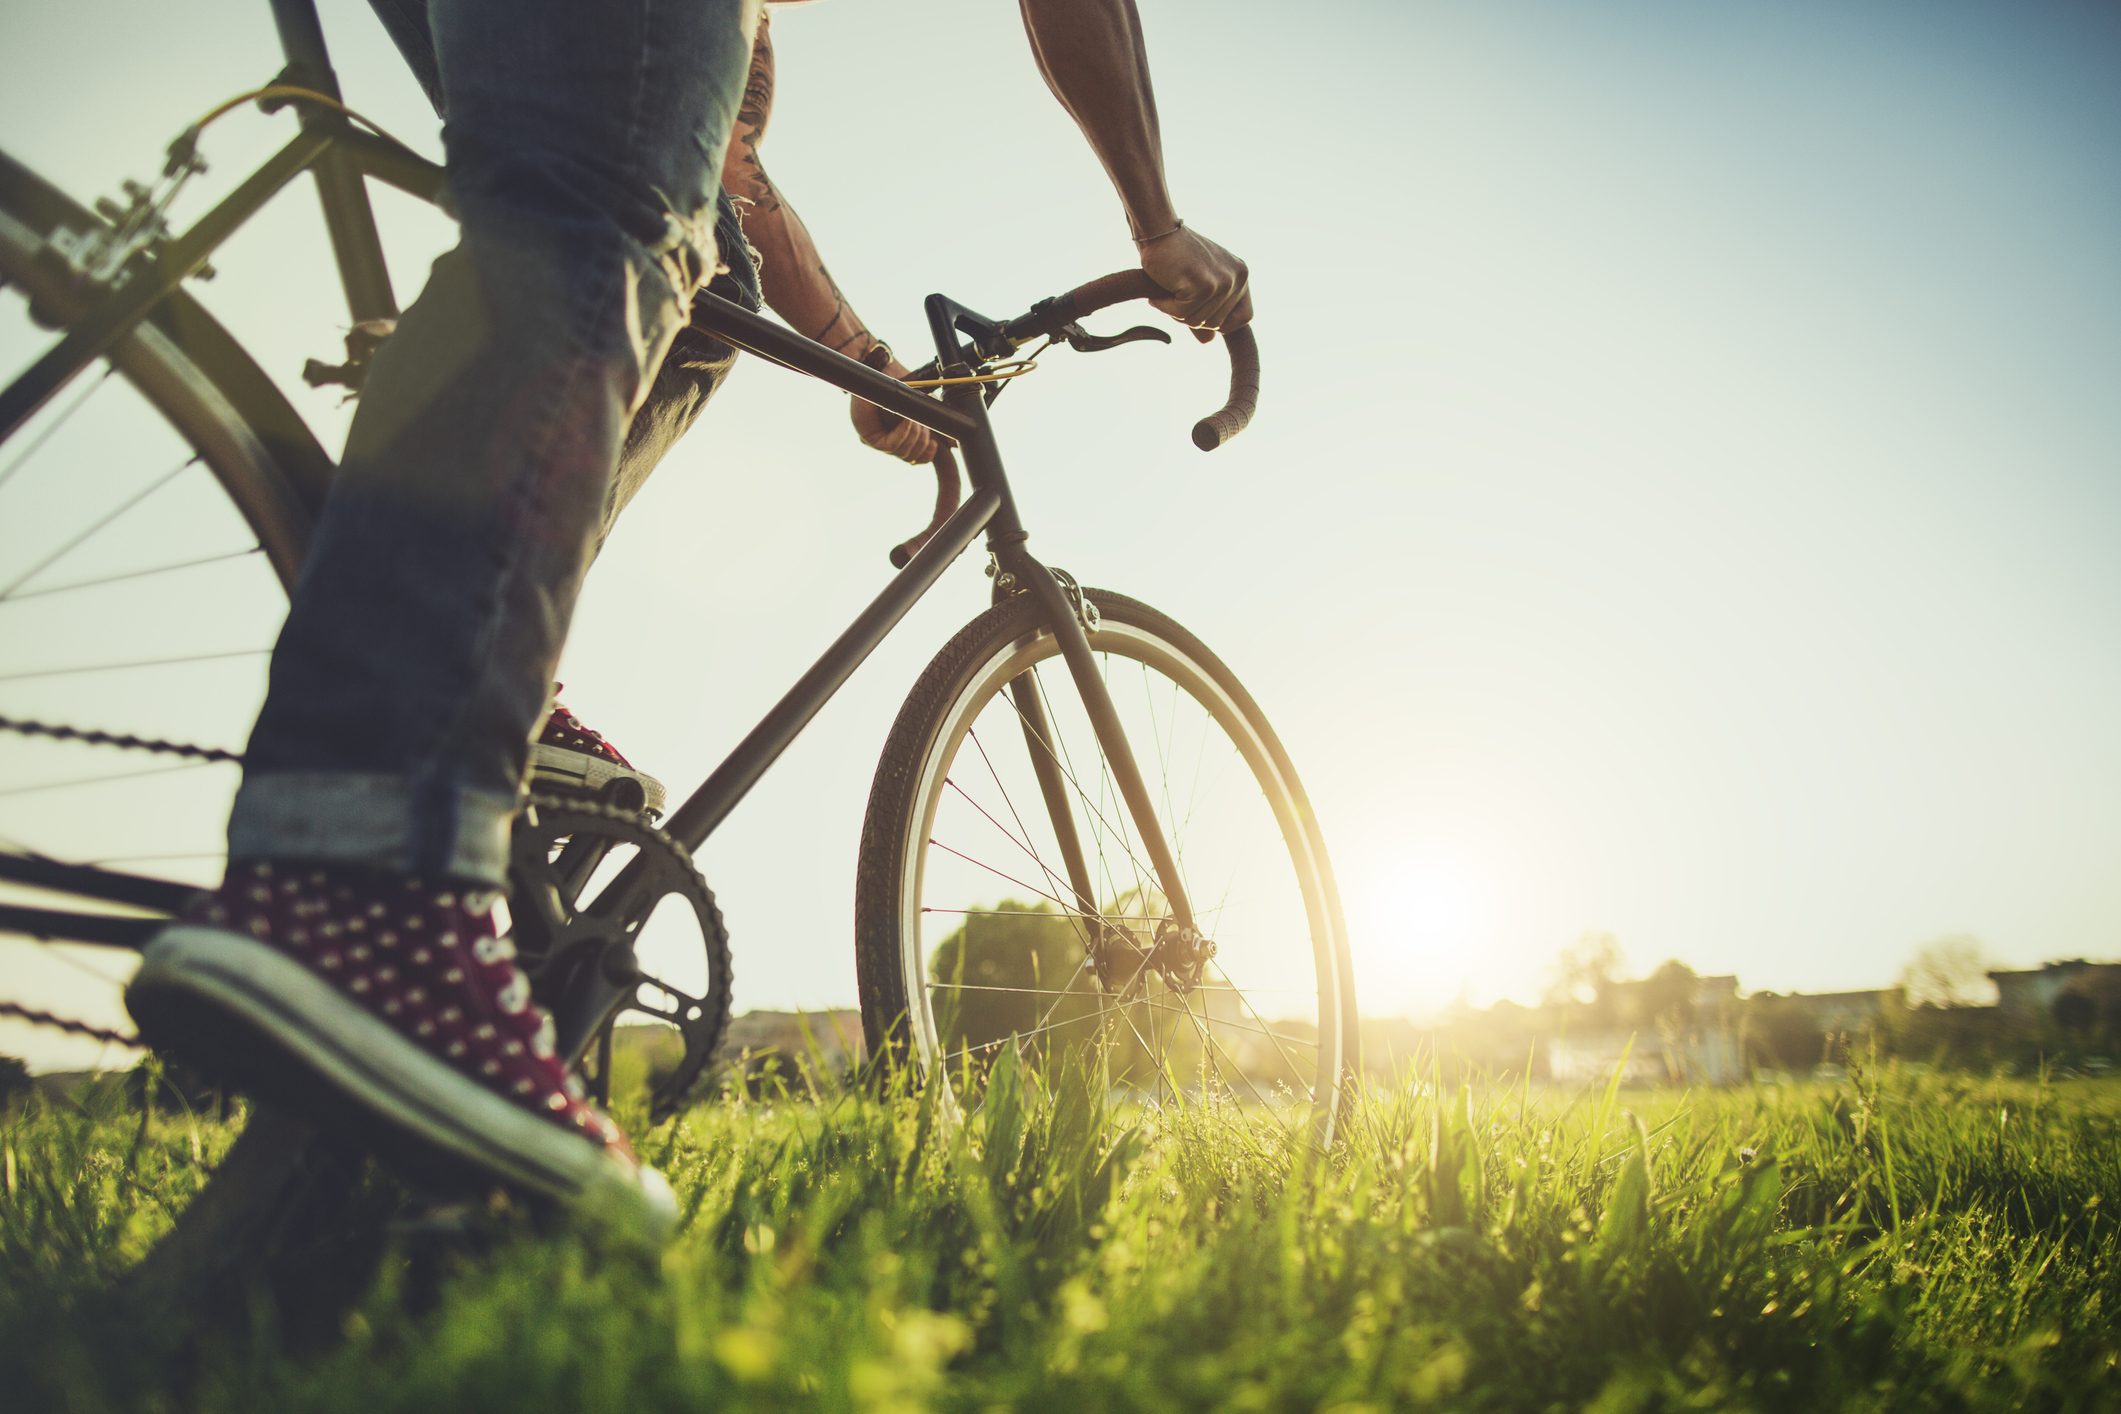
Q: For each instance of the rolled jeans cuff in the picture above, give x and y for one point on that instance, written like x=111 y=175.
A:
x=374 y=821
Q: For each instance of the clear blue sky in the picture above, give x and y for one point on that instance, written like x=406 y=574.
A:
x=1685 y=503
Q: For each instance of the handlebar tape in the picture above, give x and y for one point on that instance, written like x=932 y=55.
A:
x=1116 y=288
x=1233 y=416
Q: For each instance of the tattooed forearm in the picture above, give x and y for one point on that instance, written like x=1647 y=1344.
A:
x=757 y=106
x=794 y=279
x=742 y=172
x=842 y=329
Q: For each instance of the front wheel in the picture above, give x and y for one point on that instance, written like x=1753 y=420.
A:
x=972 y=937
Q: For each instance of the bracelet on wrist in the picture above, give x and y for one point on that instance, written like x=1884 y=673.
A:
x=1146 y=240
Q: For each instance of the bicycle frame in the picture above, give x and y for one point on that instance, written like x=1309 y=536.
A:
x=343 y=159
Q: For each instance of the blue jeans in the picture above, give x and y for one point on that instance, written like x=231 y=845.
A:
x=522 y=399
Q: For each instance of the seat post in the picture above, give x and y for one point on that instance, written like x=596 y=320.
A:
x=302 y=41
x=347 y=216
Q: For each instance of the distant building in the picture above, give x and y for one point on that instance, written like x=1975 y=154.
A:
x=2035 y=989
x=1686 y=1039
x=1591 y=1057
x=1707 y=1053
x=1846 y=1011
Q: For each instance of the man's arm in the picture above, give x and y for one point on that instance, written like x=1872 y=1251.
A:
x=1092 y=56
x=792 y=275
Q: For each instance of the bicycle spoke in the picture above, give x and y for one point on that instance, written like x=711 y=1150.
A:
x=68 y=547
x=1163 y=775
x=133 y=663
x=1067 y=769
x=98 y=583
x=1052 y=878
x=44 y=433
x=1040 y=913
x=1066 y=907
x=1042 y=1030
x=108 y=778
x=1014 y=991
x=1230 y=1061
x=1245 y=1001
x=1255 y=1030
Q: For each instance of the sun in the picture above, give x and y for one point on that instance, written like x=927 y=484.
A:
x=1421 y=923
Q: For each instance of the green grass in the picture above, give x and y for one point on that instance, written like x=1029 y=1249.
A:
x=1899 y=1242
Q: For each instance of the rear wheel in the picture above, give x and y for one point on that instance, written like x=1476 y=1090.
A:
x=151 y=526
x=971 y=937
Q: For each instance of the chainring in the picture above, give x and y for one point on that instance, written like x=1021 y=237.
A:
x=576 y=911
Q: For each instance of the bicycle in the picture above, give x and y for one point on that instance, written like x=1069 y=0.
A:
x=1032 y=889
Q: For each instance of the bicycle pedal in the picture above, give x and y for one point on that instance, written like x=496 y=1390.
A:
x=622 y=793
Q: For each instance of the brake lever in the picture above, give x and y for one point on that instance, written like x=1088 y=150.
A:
x=1083 y=341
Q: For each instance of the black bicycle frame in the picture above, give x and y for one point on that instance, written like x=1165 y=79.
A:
x=342 y=158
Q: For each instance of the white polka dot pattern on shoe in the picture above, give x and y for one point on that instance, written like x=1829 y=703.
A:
x=470 y=1007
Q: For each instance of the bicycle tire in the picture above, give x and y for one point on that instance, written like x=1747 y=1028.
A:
x=280 y=1185
x=899 y=881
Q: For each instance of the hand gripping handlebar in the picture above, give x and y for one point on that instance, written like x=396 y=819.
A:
x=1048 y=317
x=1211 y=431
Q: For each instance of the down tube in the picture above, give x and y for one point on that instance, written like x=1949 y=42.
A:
x=708 y=806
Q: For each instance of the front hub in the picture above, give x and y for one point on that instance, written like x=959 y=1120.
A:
x=1181 y=954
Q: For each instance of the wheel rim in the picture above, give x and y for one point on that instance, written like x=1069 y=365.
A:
x=149 y=536
x=984 y=896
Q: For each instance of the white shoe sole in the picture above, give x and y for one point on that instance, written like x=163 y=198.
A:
x=260 y=1020
x=582 y=771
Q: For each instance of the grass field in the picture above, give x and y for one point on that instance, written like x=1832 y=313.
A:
x=1895 y=1242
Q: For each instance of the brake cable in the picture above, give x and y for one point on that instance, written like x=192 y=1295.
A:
x=1000 y=373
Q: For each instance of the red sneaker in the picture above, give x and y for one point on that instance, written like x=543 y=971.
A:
x=569 y=756
x=390 y=1004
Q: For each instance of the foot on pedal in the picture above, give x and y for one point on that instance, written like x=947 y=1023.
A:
x=390 y=1006
x=576 y=760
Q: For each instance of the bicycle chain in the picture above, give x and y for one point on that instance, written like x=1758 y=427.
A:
x=67 y=1024
x=59 y=731
x=702 y=1038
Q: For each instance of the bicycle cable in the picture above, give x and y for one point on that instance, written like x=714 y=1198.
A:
x=1000 y=373
x=283 y=90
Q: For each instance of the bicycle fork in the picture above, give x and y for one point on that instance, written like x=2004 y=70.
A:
x=1061 y=610
x=1064 y=611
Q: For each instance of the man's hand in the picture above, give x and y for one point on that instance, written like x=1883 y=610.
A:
x=892 y=434
x=1208 y=285
x=1093 y=58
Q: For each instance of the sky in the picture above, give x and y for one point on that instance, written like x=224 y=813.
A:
x=1684 y=500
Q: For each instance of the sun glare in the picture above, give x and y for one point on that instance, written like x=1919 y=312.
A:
x=1421 y=921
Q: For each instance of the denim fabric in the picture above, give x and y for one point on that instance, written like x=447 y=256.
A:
x=583 y=144
x=697 y=362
